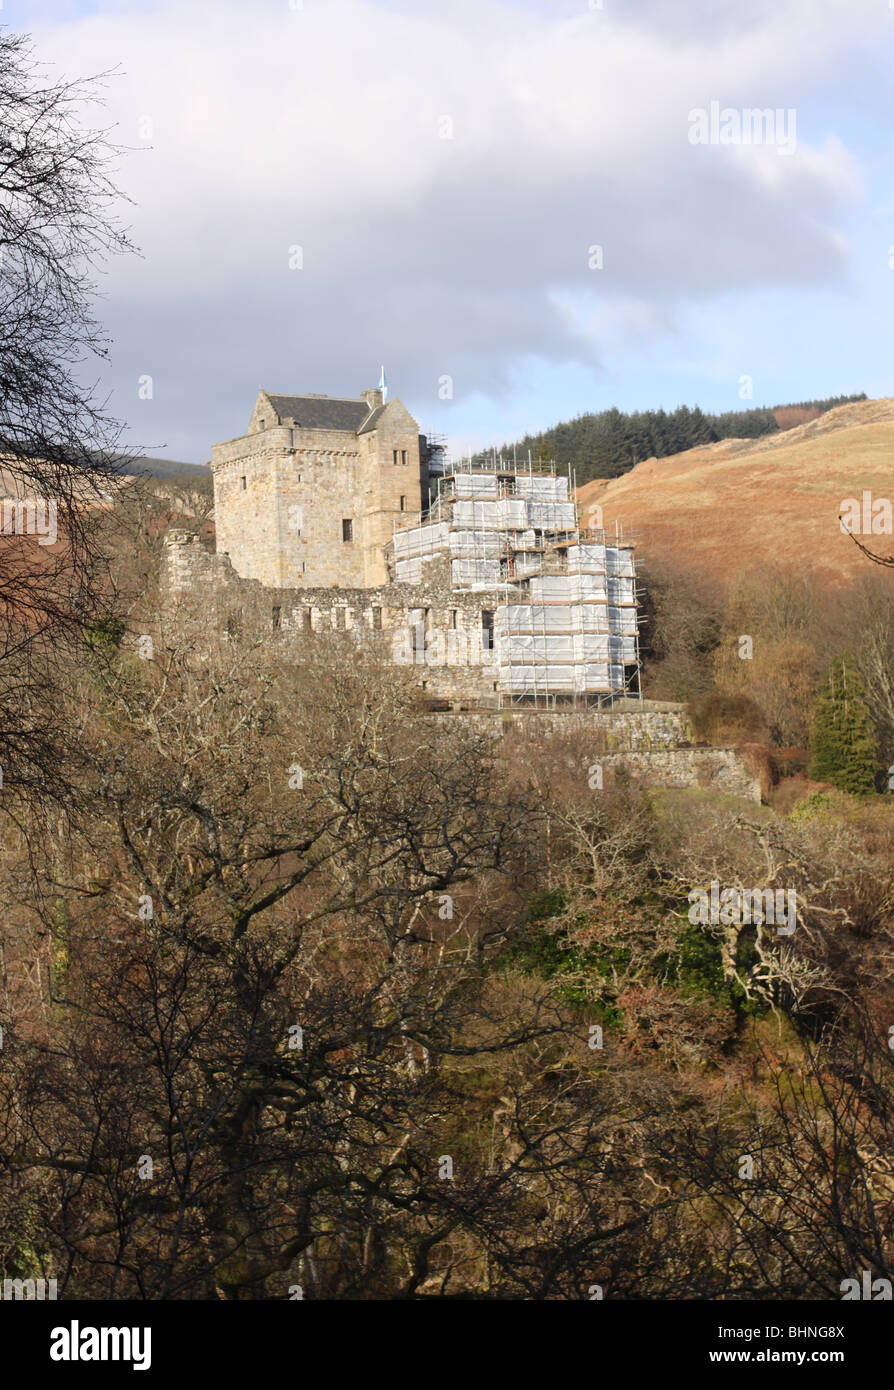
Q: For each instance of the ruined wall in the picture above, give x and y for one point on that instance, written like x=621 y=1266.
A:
x=436 y=633
x=727 y=770
x=715 y=769
x=640 y=738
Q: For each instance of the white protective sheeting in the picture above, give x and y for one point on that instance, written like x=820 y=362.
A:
x=599 y=676
x=552 y=516
x=542 y=488
x=587 y=558
x=569 y=588
x=508 y=514
x=596 y=676
x=622 y=647
x=420 y=540
x=622 y=620
x=476 y=544
x=619 y=559
x=620 y=589
x=475 y=574
x=408 y=571
x=553 y=617
x=537 y=680
x=532 y=650
x=526 y=565
x=475 y=484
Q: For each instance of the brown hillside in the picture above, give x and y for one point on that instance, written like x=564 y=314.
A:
x=753 y=502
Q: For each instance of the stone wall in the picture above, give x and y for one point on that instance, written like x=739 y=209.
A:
x=727 y=770
x=715 y=769
x=634 y=724
x=439 y=635
x=641 y=738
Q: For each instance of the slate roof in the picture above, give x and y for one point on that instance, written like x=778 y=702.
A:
x=373 y=420
x=321 y=412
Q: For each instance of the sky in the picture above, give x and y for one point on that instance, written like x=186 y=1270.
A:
x=503 y=203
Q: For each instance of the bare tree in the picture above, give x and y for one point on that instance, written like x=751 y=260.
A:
x=57 y=223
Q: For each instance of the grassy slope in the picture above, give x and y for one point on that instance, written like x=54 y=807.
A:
x=751 y=502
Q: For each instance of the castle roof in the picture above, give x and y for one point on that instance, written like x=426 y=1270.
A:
x=321 y=412
x=372 y=420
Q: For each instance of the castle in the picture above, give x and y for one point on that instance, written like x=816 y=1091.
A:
x=336 y=513
x=309 y=496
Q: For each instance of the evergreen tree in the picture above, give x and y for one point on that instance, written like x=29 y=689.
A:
x=843 y=742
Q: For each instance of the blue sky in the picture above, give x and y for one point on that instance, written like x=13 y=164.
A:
x=446 y=167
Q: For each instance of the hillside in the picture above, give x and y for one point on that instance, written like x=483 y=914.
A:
x=143 y=465
x=749 y=502
x=607 y=443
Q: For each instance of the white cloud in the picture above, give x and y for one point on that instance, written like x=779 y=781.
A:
x=320 y=127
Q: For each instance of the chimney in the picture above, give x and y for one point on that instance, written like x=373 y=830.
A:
x=373 y=398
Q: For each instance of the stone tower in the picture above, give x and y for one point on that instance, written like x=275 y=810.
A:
x=309 y=495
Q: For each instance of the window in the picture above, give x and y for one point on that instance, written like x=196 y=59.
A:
x=403 y=457
x=276 y=614
x=347 y=529
x=377 y=619
x=242 y=483
x=403 y=504
x=487 y=629
x=453 y=618
x=396 y=460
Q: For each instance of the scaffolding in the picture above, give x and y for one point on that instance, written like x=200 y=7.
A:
x=566 y=630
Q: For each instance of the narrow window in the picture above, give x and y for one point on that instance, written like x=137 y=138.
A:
x=403 y=457
x=242 y=482
x=377 y=619
x=453 y=617
x=394 y=452
x=276 y=614
x=487 y=629
x=347 y=529
x=403 y=504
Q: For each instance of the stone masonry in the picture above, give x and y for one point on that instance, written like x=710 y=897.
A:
x=309 y=495
x=306 y=503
